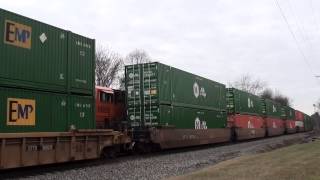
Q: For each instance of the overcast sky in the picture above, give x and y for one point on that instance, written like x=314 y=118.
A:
x=220 y=40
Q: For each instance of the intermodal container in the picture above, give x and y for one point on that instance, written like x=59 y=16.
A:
x=299 y=116
x=240 y=102
x=290 y=126
x=36 y=111
x=247 y=126
x=38 y=56
x=308 y=126
x=180 y=117
x=81 y=112
x=288 y=113
x=275 y=126
x=153 y=87
x=272 y=109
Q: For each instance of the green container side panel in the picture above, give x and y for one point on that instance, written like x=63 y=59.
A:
x=50 y=111
x=81 y=64
x=308 y=124
x=288 y=113
x=182 y=117
x=272 y=109
x=45 y=62
x=241 y=102
x=153 y=86
x=189 y=118
x=81 y=112
x=163 y=84
x=39 y=56
x=189 y=89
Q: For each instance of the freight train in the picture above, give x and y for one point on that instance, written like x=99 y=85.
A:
x=172 y=108
x=51 y=112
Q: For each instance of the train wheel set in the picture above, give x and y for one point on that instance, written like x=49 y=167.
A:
x=51 y=112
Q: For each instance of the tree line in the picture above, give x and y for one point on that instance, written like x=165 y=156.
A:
x=109 y=66
x=258 y=87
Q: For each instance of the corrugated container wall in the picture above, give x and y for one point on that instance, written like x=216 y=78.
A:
x=36 y=111
x=299 y=116
x=272 y=109
x=308 y=125
x=240 y=102
x=38 y=56
x=289 y=113
x=155 y=89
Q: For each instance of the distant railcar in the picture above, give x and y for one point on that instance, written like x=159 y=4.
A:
x=245 y=114
x=289 y=117
x=275 y=125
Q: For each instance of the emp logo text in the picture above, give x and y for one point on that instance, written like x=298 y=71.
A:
x=21 y=112
x=17 y=34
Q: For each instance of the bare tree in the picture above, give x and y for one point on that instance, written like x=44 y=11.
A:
x=108 y=67
x=267 y=94
x=248 y=84
x=282 y=99
x=137 y=56
x=275 y=96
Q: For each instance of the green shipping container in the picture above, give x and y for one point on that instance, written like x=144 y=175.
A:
x=240 y=102
x=81 y=112
x=272 y=109
x=36 y=111
x=180 y=117
x=39 y=56
x=288 y=113
x=308 y=125
x=151 y=85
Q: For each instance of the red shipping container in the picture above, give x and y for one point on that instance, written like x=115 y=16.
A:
x=275 y=126
x=290 y=126
x=247 y=126
x=299 y=115
x=246 y=121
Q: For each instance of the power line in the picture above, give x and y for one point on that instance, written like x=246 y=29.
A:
x=305 y=59
x=314 y=16
x=301 y=29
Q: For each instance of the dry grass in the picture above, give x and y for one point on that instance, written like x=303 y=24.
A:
x=297 y=162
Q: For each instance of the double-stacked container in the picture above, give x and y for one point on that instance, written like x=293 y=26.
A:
x=180 y=105
x=245 y=114
x=308 y=125
x=46 y=77
x=273 y=112
x=299 y=121
x=289 y=117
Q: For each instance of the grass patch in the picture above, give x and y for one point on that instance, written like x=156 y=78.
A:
x=297 y=162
